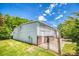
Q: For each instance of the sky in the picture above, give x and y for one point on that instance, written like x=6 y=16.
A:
x=51 y=13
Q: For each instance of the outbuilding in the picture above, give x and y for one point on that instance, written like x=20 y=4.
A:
x=37 y=33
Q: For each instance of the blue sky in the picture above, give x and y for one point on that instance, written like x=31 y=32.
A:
x=51 y=13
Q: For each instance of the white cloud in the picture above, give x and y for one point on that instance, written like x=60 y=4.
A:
x=60 y=16
x=40 y=5
x=65 y=11
x=61 y=4
x=47 y=11
x=65 y=3
x=54 y=25
x=41 y=18
x=50 y=8
x=53 y=13
x=44 y=14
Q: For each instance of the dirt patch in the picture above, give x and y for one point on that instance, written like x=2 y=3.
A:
x=31 y=49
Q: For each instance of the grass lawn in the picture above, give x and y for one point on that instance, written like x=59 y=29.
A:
x=69 y=49
x=12 y=47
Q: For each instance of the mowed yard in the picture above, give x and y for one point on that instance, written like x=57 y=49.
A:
x=10 y=47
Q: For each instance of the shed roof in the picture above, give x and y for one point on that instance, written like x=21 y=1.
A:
x=39 y=22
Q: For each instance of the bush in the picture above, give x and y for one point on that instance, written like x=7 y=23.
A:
x=8 y=24
x=5 y=33
x=69 y=50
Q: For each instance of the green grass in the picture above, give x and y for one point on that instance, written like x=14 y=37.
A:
x=69 y=49
x=12 y=47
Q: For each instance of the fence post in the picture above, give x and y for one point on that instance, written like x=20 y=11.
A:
x=59 y=46
x=58 y=41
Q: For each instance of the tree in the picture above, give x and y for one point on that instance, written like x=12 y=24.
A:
x=8 y=24
x=1 y=19
x=70 y=29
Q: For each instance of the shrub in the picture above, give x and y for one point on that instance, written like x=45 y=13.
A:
x=69 y=49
